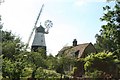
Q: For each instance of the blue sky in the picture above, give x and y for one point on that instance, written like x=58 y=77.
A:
x=72 y=19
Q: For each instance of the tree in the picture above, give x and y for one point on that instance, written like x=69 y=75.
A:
x=12 y=69
x=101 y=63
x=51 y=62
x=35 y=60
x=108 y=46
x=65 y=64
x=11 y=48
x=109 y=37
x=11 y=45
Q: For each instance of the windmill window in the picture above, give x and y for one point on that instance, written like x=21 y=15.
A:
x=41 y=40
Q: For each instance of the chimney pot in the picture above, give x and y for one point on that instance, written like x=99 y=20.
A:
x=74 y=42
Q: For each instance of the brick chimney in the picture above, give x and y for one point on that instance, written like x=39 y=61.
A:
x=74 y=42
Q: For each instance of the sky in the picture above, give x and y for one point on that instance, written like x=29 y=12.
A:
x=72 y=19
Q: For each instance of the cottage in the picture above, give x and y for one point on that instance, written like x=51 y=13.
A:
x=78 y=51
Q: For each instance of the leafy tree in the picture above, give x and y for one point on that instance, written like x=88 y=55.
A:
x=107 y=61
x=65 y=64
x=51 y=62
x=107 y=41
x=109 y=37
x=12 y=69
x=11 y=45
x=35 y=60
x=11 y=48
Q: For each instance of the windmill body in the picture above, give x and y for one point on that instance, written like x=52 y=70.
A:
x=39 y=39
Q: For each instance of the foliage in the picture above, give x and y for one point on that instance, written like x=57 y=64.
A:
x=60 y=69
x=107 y=42
x=108 y=61
x=74 y=70
x=18 y=63
x=7 y=36
x=95 y=74
x=51 y=62
x=45 y=73
x=109 y=38
x=65 y=64
x=11 y=45
x=66 y=61
x=12 y=69
x=11 y=48
x=26 y=72
x=35 y=61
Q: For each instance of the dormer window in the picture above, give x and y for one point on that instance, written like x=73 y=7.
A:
x=76 y=53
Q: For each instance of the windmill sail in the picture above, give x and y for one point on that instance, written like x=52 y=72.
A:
x=34 y=27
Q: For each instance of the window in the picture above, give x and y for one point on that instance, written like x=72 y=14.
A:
x=41 y=40
x=76 y=53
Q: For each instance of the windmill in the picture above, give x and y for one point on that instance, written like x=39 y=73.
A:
x=39 y=38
